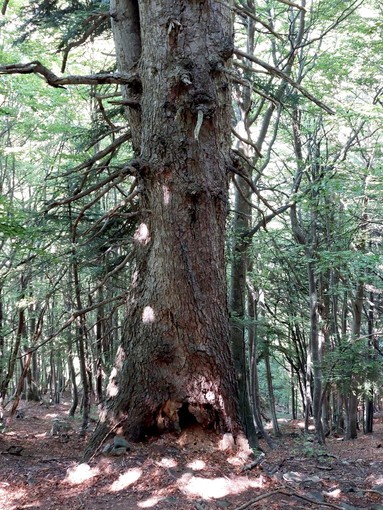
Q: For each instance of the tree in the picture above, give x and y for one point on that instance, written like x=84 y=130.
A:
x=173 y=367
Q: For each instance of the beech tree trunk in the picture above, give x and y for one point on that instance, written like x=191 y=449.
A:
x=174 y=365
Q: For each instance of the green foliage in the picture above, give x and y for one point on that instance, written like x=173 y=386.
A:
x=309 y=448
x=352 y=360
x=11 y=220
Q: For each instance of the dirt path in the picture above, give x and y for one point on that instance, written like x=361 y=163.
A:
x=190 y=472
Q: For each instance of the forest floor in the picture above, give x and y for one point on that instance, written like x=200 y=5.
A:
x=185 y=472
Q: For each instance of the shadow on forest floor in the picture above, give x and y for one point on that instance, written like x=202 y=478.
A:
x=186 y=472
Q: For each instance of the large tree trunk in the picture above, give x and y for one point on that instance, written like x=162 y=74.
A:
x=174 y=364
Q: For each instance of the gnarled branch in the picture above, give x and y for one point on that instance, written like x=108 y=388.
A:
x=52 y=79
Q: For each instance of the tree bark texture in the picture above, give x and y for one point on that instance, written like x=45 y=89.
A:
x=174 y=366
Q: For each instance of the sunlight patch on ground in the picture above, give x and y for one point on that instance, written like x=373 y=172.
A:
x=196 y=464
x=376 y=479
x=235 y=461
x=301 y=425
x=80 y=474
x=9 y=497
x=333 y=494
x=126 y=479
x=214 y=488
x=167 y=462
x=148 y=503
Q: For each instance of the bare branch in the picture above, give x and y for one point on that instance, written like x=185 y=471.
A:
x=100 y=154
x=283 y=76
x=104 y=114
x=99 y=196
x=266 y=219
x=98 y=20
x=254 y=190
x=342 y=17
x=244 y=82
x=239 y=9
x=285 y=492
x=36 y=67
x=74 y=316
x=248 y=142
x=119 y=175
x=292 y=4
x=115 y=270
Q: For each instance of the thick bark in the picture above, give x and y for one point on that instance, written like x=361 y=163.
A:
x=127 y=38
x=174 y=365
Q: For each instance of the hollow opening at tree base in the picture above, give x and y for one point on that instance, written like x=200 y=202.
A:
x=178 y=417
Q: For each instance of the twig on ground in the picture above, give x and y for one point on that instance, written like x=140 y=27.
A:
x=324 y=468
x=371 y=491
x=255 y=463
x=253 y=502
x=276 y=468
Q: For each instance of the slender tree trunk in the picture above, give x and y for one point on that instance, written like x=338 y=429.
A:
x=174 y=366
x=36 y=333
x=369 y=417
x=52 y=377
x=253 y=366
x=293 y=394
x=20 y=387
x=21 y=328
x=270 y=388
x=100 y=333
x=239 y=270
x=32 y=391
x=316 y=350
x=82 y=355
x=238 y=309
x=2 y=367
x=74 y=389
x=352 y=396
